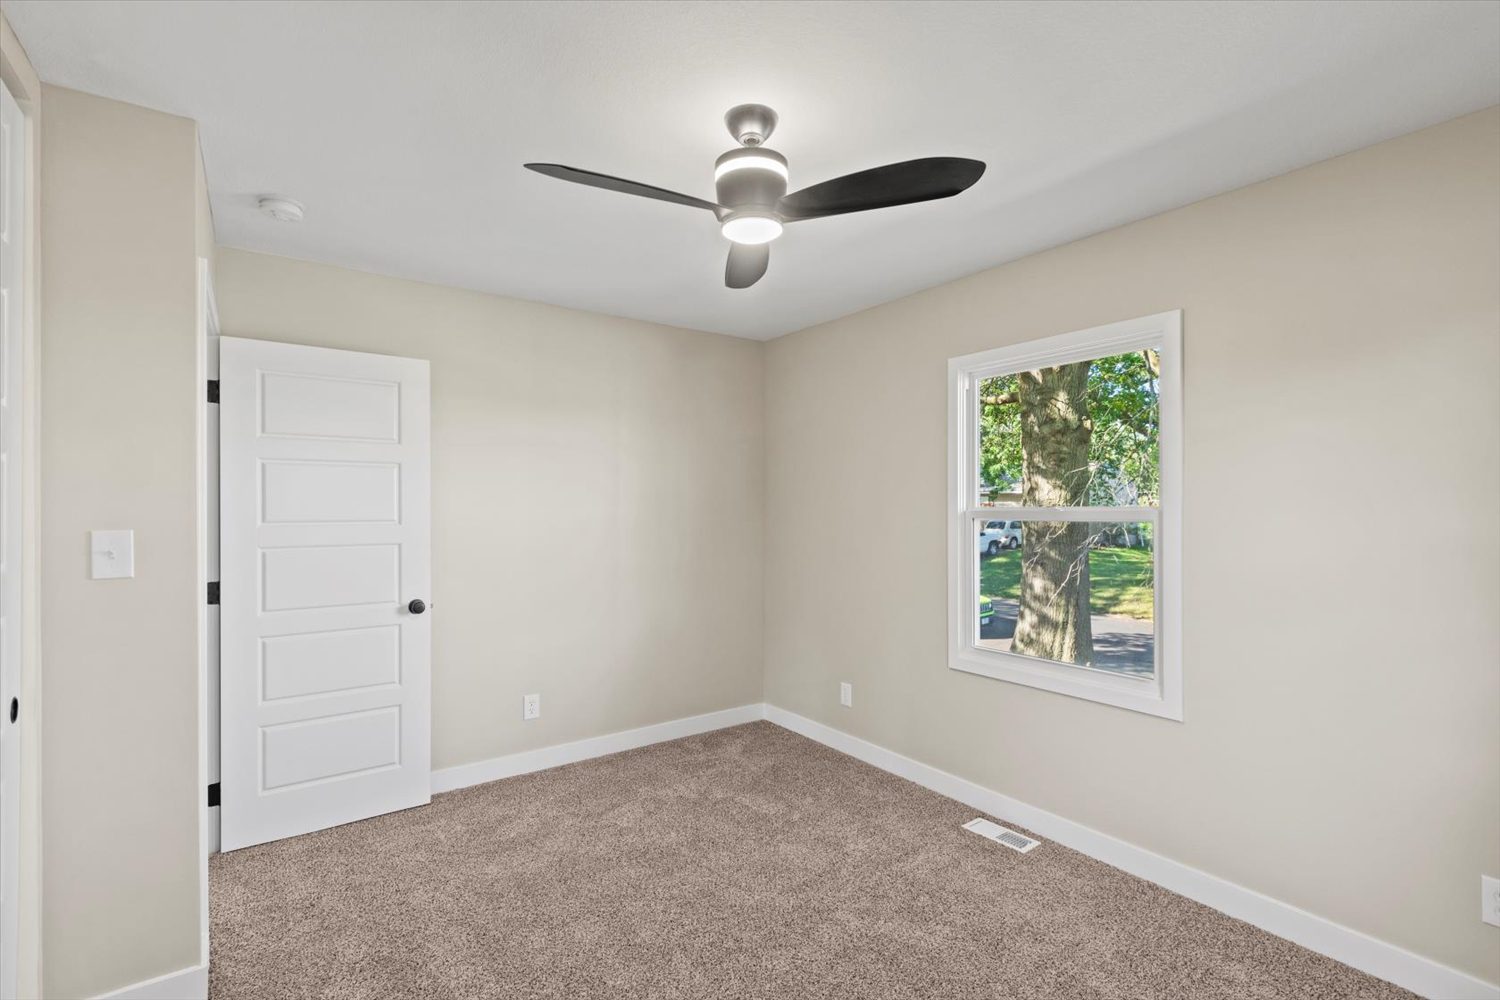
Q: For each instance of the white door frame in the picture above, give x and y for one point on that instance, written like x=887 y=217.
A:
x=13 y=146
x=207 y=430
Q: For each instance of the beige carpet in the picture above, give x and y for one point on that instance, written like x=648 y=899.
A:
x=745 y=863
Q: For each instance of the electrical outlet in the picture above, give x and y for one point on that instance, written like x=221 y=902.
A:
x=531 y=707
x=1489 y=885
x=846 y=695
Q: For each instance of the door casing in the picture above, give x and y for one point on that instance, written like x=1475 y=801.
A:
x=13 y=250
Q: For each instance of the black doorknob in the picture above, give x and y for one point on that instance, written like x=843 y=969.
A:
x=15 y=709
x=416 y=607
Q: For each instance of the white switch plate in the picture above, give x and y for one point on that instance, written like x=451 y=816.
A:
x=111 y=555
x=1490 y=909
x=846 y=695
x=531 y=707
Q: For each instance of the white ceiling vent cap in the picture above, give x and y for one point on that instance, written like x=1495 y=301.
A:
x=281 y=209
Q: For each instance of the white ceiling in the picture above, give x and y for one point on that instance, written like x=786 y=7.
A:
x=403 y=126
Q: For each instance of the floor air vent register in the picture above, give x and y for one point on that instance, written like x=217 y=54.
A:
x=1000 y=835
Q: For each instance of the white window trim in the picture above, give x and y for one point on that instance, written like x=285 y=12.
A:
x=1160 y=695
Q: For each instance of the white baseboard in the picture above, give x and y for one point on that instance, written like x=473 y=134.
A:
x=464 y=775
x=1386 y=961
x=184 y=984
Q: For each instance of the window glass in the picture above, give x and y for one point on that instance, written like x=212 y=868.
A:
x=1031 y=596
x=1081 y=434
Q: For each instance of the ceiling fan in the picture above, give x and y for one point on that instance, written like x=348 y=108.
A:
x=750 y=183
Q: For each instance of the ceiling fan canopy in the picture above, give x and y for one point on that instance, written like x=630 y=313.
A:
x=750 y=185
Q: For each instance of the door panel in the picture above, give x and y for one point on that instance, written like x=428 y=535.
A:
x=326 y=576
x=323 y=492
x=325 y=539
x=304 y=406
x=294 y=666
x=296 y=753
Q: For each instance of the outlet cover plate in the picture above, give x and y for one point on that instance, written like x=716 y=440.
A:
x=846 y=695
x=1489 y=910
x=531 y=707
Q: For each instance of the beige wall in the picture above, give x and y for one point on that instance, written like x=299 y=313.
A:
x=203 y=216
x=597 y=499
x=26 y=88
x=121 y=798
x=1342 y=344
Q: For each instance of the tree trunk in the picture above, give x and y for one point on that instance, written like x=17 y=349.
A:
x=1055 y=430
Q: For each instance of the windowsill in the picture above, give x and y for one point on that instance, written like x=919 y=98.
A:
x=1138 y=694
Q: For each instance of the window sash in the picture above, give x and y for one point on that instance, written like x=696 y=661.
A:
x=976 y=521
x=1029 y=358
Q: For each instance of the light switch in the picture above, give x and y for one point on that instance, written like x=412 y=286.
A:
x=112 y=554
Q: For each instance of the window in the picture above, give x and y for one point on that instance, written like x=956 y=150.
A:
x=1065 y=473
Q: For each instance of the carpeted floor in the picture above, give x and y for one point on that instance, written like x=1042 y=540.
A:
x=744 y=863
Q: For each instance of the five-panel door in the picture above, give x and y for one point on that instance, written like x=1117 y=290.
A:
x=325 y=532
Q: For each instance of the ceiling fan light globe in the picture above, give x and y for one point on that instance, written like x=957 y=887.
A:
x=751 y=230
x=764 y=161
x=750 y=177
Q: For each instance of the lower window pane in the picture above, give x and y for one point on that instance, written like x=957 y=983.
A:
x=1037 y=577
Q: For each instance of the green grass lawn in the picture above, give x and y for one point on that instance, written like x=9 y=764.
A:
x=1119 y=580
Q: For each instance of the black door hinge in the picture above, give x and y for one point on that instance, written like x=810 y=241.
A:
x=213 y=592
x=213 y=795
x=213 y=390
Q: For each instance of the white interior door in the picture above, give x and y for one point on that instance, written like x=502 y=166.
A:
x=12 y=277
x=324 y=546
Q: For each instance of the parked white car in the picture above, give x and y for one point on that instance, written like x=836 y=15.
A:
x=998 y=535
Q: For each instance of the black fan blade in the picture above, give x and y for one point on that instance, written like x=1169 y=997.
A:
x=619 y=184
x=746 y=264
x=882 y=187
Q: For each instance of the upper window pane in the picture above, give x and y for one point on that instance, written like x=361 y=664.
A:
x=1081 y=434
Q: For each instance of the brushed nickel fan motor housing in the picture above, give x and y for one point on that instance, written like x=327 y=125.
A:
x=750 y=124
x=751 y=176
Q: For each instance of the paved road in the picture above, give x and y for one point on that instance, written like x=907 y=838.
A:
x=1125 y=645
